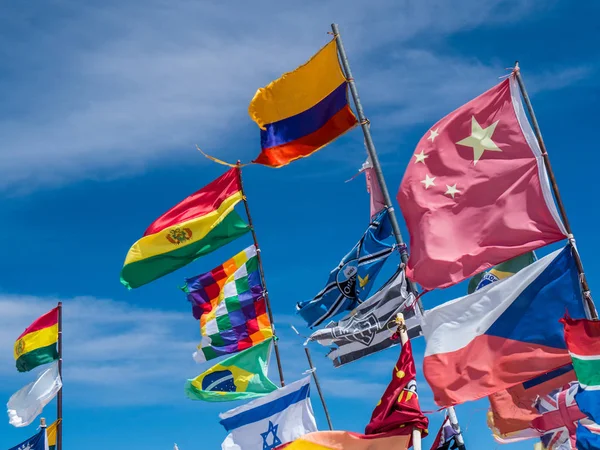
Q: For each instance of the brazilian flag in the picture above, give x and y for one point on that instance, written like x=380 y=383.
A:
x=500 y=271
x=239 y=377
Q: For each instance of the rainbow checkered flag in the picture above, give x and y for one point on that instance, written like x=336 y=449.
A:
x=230 y=305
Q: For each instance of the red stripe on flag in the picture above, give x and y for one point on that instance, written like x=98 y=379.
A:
x=47 y=320
x=200 y=203
x=284 y=154
x=486 y=365
x=582 y=336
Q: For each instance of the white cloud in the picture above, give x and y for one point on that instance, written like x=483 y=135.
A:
x=109 y=90
x=123 y=355
x=119 y=354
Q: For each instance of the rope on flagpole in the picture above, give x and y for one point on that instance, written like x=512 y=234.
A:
x=220 y=161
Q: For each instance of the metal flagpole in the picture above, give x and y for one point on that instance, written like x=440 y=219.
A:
x=262 y=276
x=587 y=295
x=416 y=433
x=59 y=396
x=314 y=374
x=364 y=123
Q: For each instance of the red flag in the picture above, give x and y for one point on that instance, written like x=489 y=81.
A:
x=513 y=408
x=399 y=406
x=476 y=193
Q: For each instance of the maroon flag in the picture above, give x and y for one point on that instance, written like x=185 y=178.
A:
x=476 y=192
x=399 y=407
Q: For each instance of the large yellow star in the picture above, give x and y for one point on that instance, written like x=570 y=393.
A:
x=480 y=139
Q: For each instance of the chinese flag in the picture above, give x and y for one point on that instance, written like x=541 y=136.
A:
x=475 y=192
x=398 y=410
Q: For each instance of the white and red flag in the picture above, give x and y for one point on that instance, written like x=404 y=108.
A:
x=476 y=192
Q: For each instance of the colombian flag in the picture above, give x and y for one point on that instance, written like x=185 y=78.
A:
x=200 y=224
x=37 y=344
x=302 y=111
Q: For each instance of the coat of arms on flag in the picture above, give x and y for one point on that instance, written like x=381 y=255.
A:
x=351 y=281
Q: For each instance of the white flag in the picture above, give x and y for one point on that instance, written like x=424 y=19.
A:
x=270 y=421
x=28 y=402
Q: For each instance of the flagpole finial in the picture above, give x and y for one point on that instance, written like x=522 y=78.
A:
x=43 y=422
x=400 y=321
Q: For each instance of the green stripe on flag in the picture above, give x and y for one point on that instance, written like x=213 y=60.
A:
x=144 y=271
x=587 y=370
x=37 y=357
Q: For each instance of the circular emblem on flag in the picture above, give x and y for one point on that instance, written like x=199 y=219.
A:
x=20 y=347
x=221 y=381
x=179 y=235
x=346 y=279
x=488 y=278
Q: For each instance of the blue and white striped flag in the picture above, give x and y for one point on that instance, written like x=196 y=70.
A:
x=270 y=421
x=351 y=281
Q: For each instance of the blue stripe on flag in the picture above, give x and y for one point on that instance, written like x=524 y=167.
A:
x=586 y=439
x=533 y=317
x=548 y=376
x=267 y=410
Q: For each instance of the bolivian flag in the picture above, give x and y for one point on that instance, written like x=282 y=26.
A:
x=303 y=110
x=37 y=344
x=198 y=225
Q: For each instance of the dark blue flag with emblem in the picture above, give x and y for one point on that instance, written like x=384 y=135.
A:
x=351 y=281
x=36 y=442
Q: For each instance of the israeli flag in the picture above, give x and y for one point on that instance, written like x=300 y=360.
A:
x=351 y=281
x=270 y=421
x=36 y=442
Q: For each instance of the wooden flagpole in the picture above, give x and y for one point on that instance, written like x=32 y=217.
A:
x=314 y=374
x=59 y=396
x=587 y=295
x=364 y=123
x=262 y=276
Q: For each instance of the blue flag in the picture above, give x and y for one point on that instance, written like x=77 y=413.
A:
x=36 y=442
x=588 y=435
x=351 y=281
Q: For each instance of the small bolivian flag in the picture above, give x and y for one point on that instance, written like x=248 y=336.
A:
x=37 y=344
x=239 y=377
x=200 y=224
x=303 y=110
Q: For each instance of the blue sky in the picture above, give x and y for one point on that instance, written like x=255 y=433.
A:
x=102 y=106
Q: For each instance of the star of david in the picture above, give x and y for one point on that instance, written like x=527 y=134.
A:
x=275 y=441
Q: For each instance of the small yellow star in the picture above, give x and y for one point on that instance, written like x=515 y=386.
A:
x=433 y=134
x=452 y=190
x=420 y=157
x=428 y=181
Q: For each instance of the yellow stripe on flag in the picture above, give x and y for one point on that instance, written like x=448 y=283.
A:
x=35 y=340
x=182 y=234
x=296 y=91
x=305 y=445
x=51 y=433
